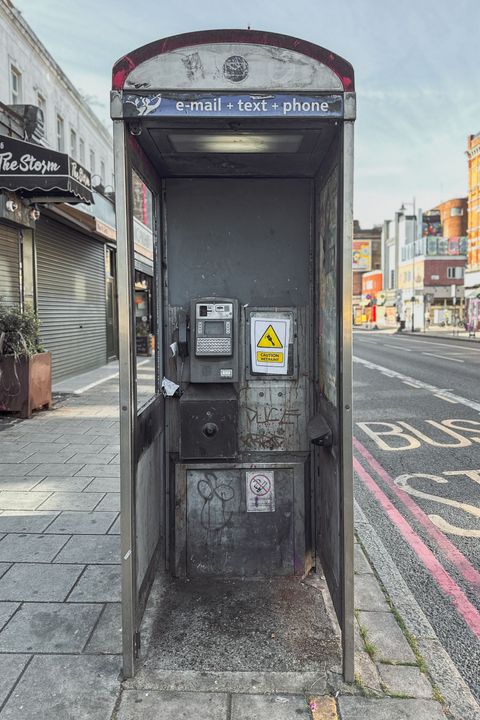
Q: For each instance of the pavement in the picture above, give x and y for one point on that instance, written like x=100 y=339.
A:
x=60 y=624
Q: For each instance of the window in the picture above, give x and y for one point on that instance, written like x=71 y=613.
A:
x=455 y=273
x=82 y=151
x=42 y=104
x=454 y=211
x=92 y=162
x=102 y=172
x=15 y=85
x=73 y=143
x=60 y=133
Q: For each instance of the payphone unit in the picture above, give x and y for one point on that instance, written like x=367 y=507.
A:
x=214 y=334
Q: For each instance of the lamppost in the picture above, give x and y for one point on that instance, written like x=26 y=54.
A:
x=403 y=208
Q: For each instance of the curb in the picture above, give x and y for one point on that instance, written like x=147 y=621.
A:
x=439 y=336
x=459 y=700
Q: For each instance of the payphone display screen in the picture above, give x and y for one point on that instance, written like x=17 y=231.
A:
x=214 y=328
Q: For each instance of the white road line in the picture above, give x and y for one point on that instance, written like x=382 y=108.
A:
x=425 y=386
x=443 y=357
x=442 y=397
x=438 y=344
x=399 y=347
x=407 y=382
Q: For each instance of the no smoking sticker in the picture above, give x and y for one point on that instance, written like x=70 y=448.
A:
x=260 y=495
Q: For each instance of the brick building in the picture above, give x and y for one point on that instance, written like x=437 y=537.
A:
x=472 y=270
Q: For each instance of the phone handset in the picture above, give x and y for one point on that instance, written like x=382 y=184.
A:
x=182 y=334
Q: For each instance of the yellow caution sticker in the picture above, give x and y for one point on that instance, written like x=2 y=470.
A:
x=269 y=357
x=270 y=339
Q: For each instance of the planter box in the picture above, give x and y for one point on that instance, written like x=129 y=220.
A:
x=25 y=384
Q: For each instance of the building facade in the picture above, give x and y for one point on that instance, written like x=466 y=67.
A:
x=366 y=256
x=472 y=270
x=57 y=238
x=423 y=263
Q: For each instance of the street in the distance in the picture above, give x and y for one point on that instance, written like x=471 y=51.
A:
x=417 y=465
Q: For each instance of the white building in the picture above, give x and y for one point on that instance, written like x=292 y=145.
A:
x=30 y=76
x=56 y=252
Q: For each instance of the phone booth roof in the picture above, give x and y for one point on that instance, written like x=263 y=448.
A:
x=128 y=68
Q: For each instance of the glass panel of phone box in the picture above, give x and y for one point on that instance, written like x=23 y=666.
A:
x=144 y=289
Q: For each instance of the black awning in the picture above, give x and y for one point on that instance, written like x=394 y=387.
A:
x=46 y=175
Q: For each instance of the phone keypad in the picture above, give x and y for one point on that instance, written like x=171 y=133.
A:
x=213 y=346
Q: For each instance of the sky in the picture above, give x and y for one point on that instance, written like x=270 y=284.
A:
x=417 y=74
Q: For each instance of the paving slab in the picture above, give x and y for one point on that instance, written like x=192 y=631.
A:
x=368 y=594
x=115 y=529
x=15 y=456
x=7 y=609
x=11 y=666
x=90 y=549
x=405 y=680
x=65 y=688
x=26 y=521
x=361 y=564
x=99 y=583
x=141 y=705
x=56 y=469
x=46 y=458
x=98 y=458
x=49 y=628
x=96 y=470
x=385 y=633
x=54 y=447
x=4 y=566
x=38 y=582
x=62 y=484
x=107 y=636
x=16 y=469
x=111 y=501
x=89 y=523
x=359 y=708
x=104 y=484
x=21 y=500
x=72 y=501
x=26 y=547
x=266 y=707
x=77 y=439
x=19 y=484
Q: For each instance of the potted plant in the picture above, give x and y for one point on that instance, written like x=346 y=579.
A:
x=25 y=369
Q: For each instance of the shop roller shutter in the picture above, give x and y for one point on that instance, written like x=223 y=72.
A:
x=70 y=298
x=9 y=266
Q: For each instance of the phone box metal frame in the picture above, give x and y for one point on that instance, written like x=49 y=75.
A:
x=244 y=140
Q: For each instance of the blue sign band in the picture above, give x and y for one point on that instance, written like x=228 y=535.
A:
x=211 y=105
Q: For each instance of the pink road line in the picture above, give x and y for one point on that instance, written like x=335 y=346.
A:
x=451 y=553
x=462 y=604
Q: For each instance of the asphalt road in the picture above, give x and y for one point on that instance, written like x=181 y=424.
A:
x=417 y=462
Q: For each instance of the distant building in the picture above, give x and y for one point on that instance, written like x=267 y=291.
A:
x=472 y=270
x=421 y=264
x=366 y=256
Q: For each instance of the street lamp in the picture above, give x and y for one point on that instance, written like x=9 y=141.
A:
x=402 y=209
